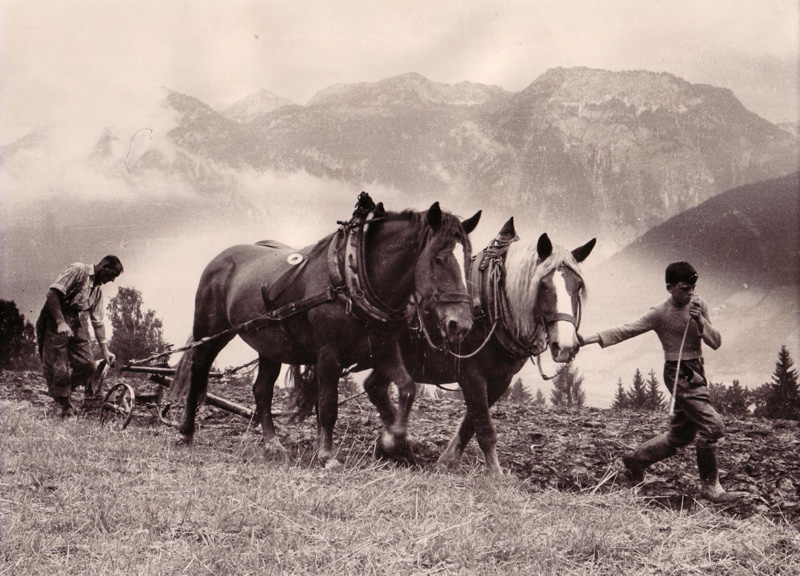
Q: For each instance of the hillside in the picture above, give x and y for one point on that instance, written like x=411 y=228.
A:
x=579 y=153
x=748 y=236
x=570 y=450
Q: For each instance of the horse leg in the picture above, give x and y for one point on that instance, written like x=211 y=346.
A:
x=478 y=396
x=486 y=433
x=377 y=388
x=398 y=445
x=329 y=370
x=198 y=362
x=263 y=390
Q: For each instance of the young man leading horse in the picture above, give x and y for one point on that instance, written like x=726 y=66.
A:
x=683 y=325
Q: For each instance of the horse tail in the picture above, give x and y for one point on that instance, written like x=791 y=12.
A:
x=179 y=388
x=304 y=391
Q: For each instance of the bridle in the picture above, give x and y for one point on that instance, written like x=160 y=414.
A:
x=549 y=320
x=436 y=297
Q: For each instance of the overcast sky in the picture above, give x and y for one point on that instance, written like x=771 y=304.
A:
x=92 y=58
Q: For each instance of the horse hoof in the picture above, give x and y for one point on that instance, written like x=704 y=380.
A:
x=448 y=464
x=386 y=442
x=398 y=451
x=184 y=439
x=496 y=473
x=274 y=449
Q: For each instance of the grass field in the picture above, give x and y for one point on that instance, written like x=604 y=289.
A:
x=80 y=498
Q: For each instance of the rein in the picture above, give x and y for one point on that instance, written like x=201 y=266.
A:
x=444 y=347
x=678 y=370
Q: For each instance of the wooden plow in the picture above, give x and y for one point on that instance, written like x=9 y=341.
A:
x=121 y=399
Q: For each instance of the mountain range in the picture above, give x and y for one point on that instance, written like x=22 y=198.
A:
x=614 y=152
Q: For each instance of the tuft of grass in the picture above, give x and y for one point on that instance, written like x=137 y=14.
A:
x=81 y=498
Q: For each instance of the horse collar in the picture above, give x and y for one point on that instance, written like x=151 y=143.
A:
x=491 y=274
x=347 y=267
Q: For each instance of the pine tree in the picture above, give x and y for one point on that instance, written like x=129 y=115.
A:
x=655 y=398
x=718 y=395
x=783 y=400
x=638 y=392
x=540 y=400
x=621 y=401
x=738 y=399
x=568 y=387
x=518 y=394
x=136 y=333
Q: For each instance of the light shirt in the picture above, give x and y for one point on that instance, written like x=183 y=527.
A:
x=76 y=283
x=669 y=322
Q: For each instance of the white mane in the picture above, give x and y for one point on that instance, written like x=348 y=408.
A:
x=524 y=272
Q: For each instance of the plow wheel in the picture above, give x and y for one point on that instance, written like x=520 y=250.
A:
x=117 y=408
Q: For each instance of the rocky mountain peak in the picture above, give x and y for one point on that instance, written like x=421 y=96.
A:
x=411 y=89
x=639 y=90
x=254 y=105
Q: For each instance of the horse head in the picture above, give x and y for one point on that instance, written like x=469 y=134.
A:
x=545 y=289
x=440 y=272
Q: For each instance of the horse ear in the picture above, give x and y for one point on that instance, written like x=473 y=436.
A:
x=435 y=216
x=379 y=210
x=470 y=223
x=580 y=254
x=508 y=230
x=544 y=247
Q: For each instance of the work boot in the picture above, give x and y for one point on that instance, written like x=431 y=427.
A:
x=652 y=451
x=709 y=475
x=67 y=410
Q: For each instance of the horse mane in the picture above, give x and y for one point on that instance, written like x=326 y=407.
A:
x=524 y=273
x=451 y=226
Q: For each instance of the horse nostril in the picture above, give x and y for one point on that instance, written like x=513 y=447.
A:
x=453 y=328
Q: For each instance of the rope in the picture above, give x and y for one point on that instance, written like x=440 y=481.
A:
x=678 y=370
x=444 y=347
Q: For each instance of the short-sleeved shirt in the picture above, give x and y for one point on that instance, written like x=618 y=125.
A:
x=668 y=321
x=76 y=283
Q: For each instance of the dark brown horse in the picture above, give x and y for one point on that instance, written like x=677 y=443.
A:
x=334 y=304
x=528 y=297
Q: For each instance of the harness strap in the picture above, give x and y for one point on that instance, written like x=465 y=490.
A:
x=560 y=317
x=493 y=297
x=277 y=315
x=347 y=265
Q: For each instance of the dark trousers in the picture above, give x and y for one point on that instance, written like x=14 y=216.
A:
x=68 y=362
x=694 y=414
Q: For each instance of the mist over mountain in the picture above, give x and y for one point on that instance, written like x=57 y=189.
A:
x=614 y=153
x=747 y=237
